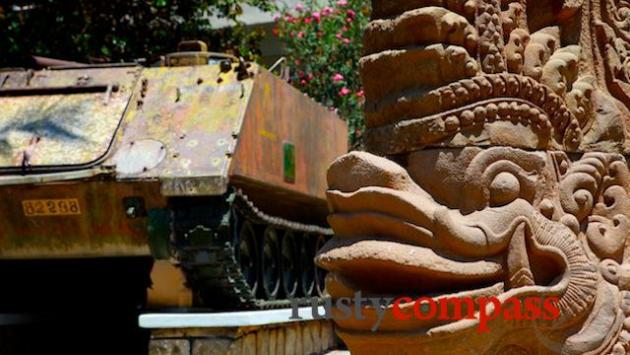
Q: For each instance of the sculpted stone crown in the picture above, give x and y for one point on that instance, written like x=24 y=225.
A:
x=497 y=135
x=553 y=75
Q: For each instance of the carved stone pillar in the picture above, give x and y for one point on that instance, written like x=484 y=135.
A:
x=498 y=135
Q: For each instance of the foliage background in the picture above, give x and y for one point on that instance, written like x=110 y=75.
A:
x=323 y=44
x=117 y=30
x=322 y=38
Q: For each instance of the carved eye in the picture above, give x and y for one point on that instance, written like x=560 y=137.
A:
x=504 y=189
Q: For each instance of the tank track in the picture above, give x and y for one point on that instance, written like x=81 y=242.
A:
x=204 y=244
x=244 y=205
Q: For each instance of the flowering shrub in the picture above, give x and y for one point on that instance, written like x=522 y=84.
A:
x=324 y=46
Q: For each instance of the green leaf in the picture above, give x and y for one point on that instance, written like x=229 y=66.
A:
x=105 y=51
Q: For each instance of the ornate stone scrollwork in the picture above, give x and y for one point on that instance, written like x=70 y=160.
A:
x=612 y=25
x=428 y=61
x=496 y=166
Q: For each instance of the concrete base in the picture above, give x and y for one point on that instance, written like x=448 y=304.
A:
x=297 y=338
x=268 y=332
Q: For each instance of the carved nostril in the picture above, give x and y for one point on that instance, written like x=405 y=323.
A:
x=609 y=200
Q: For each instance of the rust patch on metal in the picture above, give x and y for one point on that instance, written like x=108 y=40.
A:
x=278 y=113
x=195 y=118
x=102 y=227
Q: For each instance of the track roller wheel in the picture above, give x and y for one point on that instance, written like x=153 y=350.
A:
x=307 y=254
x=320 y=274
x=289 y=265
x=270 y=265
x=248 y=256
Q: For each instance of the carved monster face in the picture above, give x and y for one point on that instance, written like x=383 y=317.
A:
x=510 y=122
x=498 y=222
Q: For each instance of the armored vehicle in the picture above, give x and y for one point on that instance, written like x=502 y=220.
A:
x=207 y=173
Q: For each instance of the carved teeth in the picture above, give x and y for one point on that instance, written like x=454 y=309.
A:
x=485 y=87
x=472 y=88
x=492 y=111
x=467 y=117
x=507 y=97
x=480 y=114
x=451 y=123
x=504 y=109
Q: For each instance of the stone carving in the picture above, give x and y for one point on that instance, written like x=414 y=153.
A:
x=452 y=73
x=496 y=166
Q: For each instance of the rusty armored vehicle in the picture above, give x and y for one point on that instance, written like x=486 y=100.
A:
x=207 y=173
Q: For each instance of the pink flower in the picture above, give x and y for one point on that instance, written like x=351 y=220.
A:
x=344 y=91
x=317 y=16
x=339 y=36
x=300 y=35
x=346 y=41
x=327 y=11
x=337 y=77
x=342 y=2
x=303 y=82
x=299 y=7
x=360 y=93
x=276 y=17
x=351 y=13
x=308 y=20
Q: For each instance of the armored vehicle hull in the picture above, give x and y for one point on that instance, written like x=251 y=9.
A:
x=214 y=172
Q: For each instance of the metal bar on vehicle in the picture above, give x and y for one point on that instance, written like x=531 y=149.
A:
x=59 y=90
x=54 y=62
x=95 y=66
x=42 y=178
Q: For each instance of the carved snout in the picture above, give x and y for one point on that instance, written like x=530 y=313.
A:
x=479 y=234
x=371 y=196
